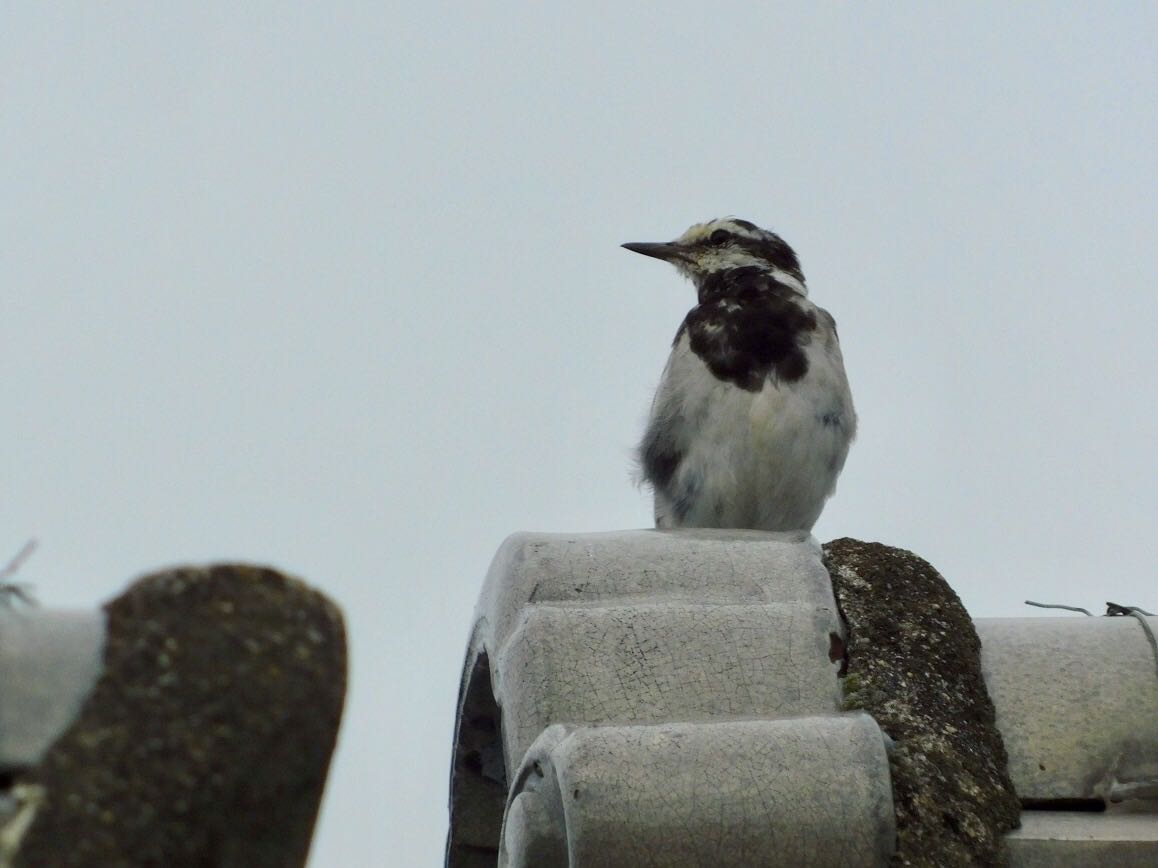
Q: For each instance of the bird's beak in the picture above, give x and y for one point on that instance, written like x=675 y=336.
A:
x=665 y=250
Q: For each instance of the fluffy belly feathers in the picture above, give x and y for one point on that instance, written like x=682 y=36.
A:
x=767 y=459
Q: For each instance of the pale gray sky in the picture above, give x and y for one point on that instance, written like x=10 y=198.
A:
x=337 y=287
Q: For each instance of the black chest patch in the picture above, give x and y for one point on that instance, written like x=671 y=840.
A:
x=747 y=327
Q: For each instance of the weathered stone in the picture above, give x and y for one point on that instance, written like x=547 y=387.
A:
x=207 y=739
x=650 y=697
x=1077 y=704
x=633 y=627
x=800 y=791
x=913 y=663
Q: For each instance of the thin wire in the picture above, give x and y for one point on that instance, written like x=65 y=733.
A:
x=19 y=558
x=1139 y=613
x=21 y=591
x=1060 y=606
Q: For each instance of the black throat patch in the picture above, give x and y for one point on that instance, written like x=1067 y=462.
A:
x=748 y=327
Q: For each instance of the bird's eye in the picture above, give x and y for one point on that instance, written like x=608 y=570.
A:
x=719 y=237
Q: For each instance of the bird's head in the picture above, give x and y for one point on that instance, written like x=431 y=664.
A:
x=724 y=244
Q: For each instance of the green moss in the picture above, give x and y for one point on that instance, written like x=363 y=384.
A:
x=852 y=693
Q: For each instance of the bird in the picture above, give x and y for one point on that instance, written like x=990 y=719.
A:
x=753 y=416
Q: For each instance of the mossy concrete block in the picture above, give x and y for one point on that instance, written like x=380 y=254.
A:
x=207 y=737
x=807 y=791
x=914 y=664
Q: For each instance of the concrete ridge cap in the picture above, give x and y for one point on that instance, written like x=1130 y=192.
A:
x=50 y=660
x=1064 y=623
x=640 y=786
x=644 y=603
x=687 y=533
x=1087 y=826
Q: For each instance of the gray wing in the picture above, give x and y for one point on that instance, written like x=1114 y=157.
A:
x=665 y=441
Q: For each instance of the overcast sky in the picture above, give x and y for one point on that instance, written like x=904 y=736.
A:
x=337 y=287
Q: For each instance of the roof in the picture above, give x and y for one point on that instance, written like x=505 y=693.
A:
x=678 y=694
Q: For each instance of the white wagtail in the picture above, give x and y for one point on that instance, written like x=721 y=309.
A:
x=753 y=418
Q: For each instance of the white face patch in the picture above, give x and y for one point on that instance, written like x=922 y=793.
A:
x=701 y=231
x=695 y=234
x=722 y=258
x=709 y=258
